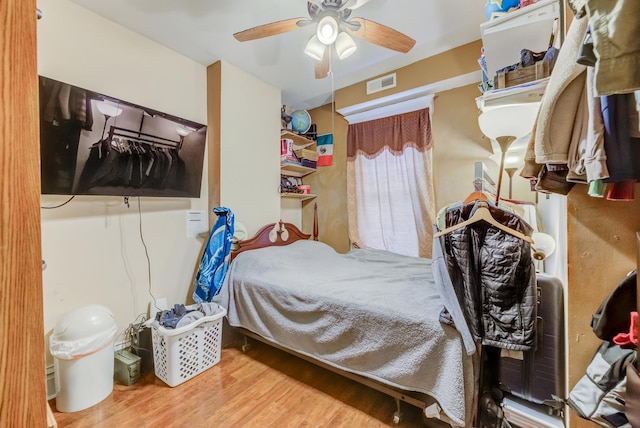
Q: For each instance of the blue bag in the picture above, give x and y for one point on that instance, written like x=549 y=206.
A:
x=215 y=260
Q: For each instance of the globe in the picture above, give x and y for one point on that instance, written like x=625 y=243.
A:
x=499 y=6
x=300 y=121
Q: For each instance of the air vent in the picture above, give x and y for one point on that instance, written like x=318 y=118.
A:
x=381 y=83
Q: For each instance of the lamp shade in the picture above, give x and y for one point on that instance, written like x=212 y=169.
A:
x=108 y=109
x=509 y=120
x=327 y=31
x=514 y=157
x=315 y=49
x=543 y=245
x=183 y=132
x=345 y=46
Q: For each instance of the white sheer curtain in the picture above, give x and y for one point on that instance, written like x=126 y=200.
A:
x=390 y=184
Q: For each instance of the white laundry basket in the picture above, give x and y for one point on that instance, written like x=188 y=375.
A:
x=182 y=353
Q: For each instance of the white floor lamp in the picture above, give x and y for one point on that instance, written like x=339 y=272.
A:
x=505 y=124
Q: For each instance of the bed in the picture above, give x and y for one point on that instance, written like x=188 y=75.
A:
x=370 y=315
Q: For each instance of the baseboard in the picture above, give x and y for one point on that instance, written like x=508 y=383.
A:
x=50 y=375
x=529 y=415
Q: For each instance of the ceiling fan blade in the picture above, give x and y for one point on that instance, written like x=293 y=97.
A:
x=380 y=35
x=271 y=29
x=323 y=66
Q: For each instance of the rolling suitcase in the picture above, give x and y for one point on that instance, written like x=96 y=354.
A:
x=540 y=375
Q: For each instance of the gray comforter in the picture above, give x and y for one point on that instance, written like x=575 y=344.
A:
x=368 y=312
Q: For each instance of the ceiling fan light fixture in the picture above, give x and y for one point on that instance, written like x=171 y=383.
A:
x=345 y=46
x=315 y=49
x=327 y=31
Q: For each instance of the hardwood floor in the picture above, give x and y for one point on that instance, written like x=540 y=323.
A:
x=264 y=388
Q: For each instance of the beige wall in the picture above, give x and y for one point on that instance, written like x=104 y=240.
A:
x=451 y=63
x=92 y=246
x=330 y=184
x=459 y=143
x=249 y=148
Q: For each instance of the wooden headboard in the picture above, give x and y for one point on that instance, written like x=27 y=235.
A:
x=272 y=235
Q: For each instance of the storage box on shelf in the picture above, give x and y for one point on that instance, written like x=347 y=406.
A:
x=311 y=155
x=521 y=75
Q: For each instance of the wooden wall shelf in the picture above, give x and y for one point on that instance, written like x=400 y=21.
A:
x=299 y=141
x=294 y=170
x=301 y=196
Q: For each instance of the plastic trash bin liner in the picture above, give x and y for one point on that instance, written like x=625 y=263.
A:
x=82 y=347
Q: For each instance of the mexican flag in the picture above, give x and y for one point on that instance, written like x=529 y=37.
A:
x=324 y=146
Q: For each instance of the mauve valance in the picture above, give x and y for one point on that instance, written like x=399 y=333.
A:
x=396 y=133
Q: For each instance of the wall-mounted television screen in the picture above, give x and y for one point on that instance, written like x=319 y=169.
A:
x=93 y=144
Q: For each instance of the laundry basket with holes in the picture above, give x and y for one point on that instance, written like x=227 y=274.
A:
x=182 y=353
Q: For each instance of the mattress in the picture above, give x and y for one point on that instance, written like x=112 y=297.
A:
x=368 y=312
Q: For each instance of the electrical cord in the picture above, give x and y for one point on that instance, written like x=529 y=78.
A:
x=146 y=253
x=58 y=206
x=132 y=332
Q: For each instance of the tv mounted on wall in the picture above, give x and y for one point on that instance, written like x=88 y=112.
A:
x=93 y=144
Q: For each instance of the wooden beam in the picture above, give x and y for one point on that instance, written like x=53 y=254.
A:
x=22 y=374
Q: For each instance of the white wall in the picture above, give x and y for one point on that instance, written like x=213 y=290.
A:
x=552 y=210
x=92 y=246
x=291 y=211
x=249 y=152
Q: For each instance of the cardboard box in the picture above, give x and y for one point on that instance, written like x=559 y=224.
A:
x=312 y=155
x=522 y=75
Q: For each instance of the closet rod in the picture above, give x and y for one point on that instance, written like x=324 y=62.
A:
x=121 y=132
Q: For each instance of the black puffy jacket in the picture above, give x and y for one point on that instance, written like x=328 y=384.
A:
x=493 y=276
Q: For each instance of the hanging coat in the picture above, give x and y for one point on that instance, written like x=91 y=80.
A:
x=493 y=276
x=215 y=260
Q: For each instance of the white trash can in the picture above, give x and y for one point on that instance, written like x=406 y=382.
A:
x=82 y=347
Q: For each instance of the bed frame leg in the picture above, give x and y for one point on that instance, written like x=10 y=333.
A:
x=247 y=346
x=397 y=416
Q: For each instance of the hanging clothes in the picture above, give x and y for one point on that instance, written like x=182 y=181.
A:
x=493 y=277
x=452 y=313
x=215 y=260
x=622 y=144
x=130 y=163
x=615 y=28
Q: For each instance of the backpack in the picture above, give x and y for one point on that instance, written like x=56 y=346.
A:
x=612 y=317
x=599 y=394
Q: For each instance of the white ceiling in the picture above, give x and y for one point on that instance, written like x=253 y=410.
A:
x=203 y=30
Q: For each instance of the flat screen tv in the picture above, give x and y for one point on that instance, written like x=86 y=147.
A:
x=93 y=144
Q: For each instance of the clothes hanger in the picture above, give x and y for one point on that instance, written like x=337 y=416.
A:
x=476 y=196
x=512 y=204
x=482 y=213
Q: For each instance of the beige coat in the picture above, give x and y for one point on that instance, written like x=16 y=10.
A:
x=552 y=133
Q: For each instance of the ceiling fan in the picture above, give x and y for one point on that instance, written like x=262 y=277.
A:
x=334 y=28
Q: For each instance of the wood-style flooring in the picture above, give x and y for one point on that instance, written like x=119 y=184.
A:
x=264 y=388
